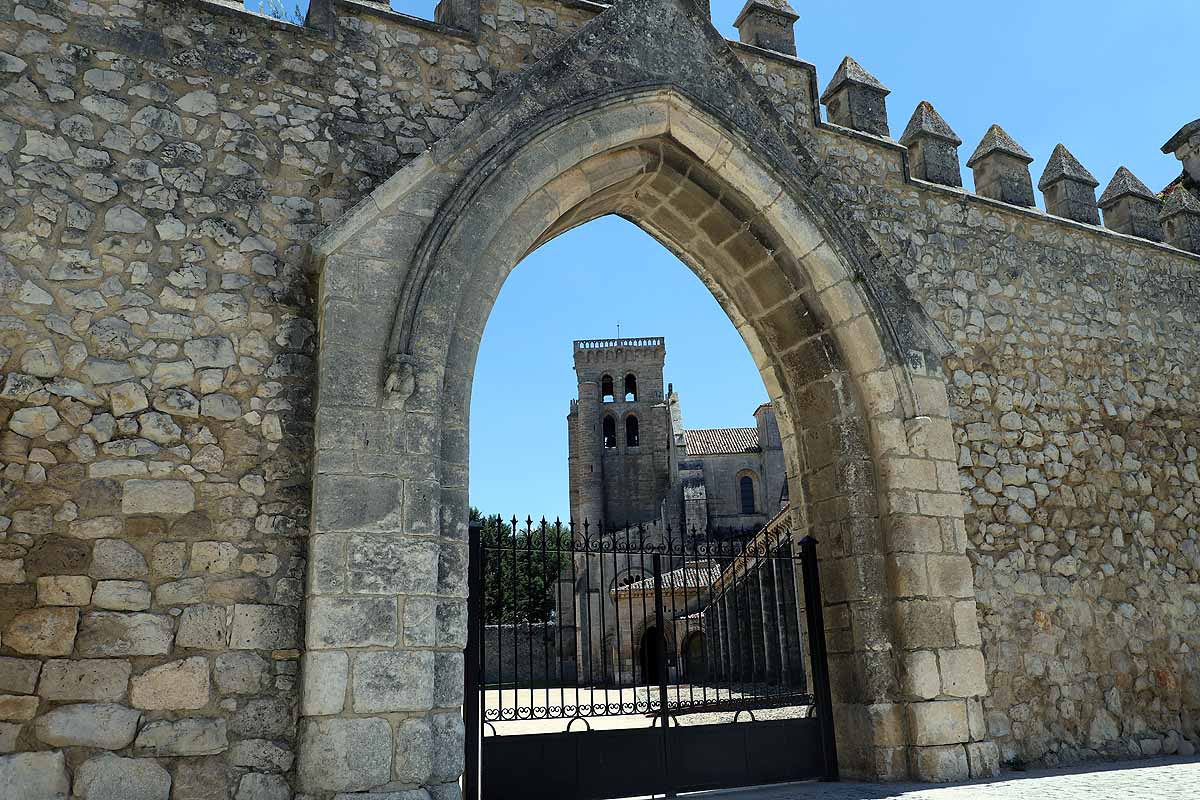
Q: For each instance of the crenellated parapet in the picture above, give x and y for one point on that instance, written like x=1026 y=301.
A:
x=855 y=102
x=234 y=431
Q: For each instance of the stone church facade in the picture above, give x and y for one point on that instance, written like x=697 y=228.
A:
x=244 y=271
x=631 y=462
x=639 y=479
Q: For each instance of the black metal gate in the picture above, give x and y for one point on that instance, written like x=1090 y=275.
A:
x=625 y=663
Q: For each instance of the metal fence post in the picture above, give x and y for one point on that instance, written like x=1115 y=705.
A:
x=816 y=647
x=472 y=662
x=661 y=647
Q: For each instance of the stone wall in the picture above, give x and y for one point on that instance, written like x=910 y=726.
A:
x=164 y=165
x=1073 y=396
x=528 y=652
x=722 y=488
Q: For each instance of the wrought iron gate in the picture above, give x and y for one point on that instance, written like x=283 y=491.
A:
x=609 y=664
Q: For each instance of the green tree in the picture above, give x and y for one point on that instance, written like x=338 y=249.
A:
x=276 y=9
x=521 y=567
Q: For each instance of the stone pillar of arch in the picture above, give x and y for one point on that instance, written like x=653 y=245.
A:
x=646 y=115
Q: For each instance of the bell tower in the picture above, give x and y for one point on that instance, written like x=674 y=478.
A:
x=617 y=431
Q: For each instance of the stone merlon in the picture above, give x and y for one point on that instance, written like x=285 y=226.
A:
x=926 y=121
x=997 y=140
x=1130 y=206
x=768 y=24
x=1180 y=218
x=1069 y=188
x=1125 y=183
x=1064 y=166
x=1001 y=168
x=856 y=99
x=932 y=147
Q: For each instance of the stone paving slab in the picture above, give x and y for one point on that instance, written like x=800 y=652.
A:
x=1145 y=779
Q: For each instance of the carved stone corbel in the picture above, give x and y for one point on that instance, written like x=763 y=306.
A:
x=400 y=382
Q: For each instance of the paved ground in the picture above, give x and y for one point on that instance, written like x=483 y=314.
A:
x=1148 y=779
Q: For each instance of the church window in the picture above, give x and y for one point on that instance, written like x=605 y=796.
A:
x=630 y=388
x=606 y=389
x=746 y=485
x=631 y=431
x=610 y=433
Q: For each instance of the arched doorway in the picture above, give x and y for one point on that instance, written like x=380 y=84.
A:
x=695 y=667
x=407 y=283
x=650 y=652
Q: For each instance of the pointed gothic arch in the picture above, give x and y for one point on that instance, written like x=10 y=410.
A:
x=704 y=169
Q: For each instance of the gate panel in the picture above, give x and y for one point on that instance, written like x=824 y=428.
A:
x=618 y=663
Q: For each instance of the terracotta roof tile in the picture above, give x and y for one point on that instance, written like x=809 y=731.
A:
x=693 y=576
x=713 y=441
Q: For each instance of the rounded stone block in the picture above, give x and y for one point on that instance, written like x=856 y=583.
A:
x=325 y=677
x=43 y=631
x=115 y=633
x=926 y=624
x=940 y=764
x=264 y=627
x=41 y=775
x=191 y=736
x=351 y=622
x=983 y=759
x=104 y=725
x=64 y=590
x=393 y=681
x=109 y=777
x=414 y=751
x=84 y=679
x=920 y=677
x=345 y=755
x=963 y=672
x=938 y=722
x=179 y=685
x=158 y=497
x=17 y=707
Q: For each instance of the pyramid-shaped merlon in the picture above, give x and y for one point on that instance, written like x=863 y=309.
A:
x=856 y=99
x=1001 y=168
x=932 y=147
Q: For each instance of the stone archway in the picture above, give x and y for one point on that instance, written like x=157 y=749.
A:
x=649 y=652
x=407 y=282
x=691 y=658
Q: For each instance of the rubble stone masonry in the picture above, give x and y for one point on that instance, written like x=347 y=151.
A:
x=163 y=167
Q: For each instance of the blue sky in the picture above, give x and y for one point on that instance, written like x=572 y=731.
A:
x=1110 y=79
x=575 y=288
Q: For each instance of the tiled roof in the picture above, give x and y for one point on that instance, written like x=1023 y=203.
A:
x=712 y=441
x=692 y=576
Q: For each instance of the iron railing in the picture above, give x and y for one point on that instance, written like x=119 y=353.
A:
x=578 y=622
x=569 y=621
